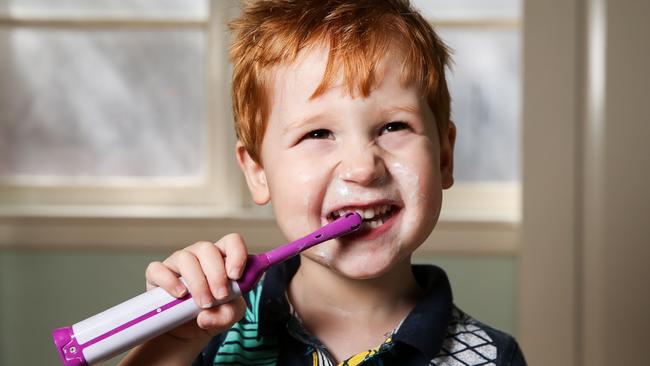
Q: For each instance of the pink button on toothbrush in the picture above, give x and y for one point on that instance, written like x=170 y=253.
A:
x=155 y=312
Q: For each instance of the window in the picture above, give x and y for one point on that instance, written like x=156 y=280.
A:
x=115 y=102
x=485 y=84
x=125 y=103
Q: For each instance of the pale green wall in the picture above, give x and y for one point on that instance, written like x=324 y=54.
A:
x=484 y=287
x=42 y=290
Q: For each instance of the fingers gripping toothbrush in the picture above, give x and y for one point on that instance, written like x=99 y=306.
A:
x=155 y=312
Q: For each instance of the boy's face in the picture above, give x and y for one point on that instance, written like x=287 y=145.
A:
x=381 y=155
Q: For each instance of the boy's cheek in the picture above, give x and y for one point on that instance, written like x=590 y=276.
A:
x=417 y=174
x=414 y=158
x=397 y=141
x=296 y=194
x=410 y=145
x=291 y=217
x=313 y=148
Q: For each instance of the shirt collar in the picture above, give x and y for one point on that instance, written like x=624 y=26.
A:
x=274 y=312
x=424 y=328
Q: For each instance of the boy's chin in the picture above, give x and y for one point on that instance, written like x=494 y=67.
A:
x=357 y=268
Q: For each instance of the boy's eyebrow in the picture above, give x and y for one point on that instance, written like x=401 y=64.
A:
x=408 y=108
x=302 y=121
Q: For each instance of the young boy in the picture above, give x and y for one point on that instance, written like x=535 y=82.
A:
x=339 y=106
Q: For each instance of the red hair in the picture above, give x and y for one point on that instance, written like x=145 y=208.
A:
x=357 y=33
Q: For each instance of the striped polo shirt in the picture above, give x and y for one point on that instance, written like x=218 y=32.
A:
x=435 y=332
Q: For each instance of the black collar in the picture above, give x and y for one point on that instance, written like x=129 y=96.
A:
x=424 y=328
x=274 y=310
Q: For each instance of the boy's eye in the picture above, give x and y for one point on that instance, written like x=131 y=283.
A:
x=394 y=127
x=318 y=134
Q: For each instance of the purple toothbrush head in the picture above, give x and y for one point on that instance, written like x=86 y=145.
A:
x=256 y=265
x=339 y=227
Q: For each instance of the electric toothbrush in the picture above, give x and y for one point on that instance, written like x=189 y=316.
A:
x=155 y=312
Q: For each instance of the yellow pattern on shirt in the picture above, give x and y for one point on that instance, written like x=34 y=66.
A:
x=357 y=359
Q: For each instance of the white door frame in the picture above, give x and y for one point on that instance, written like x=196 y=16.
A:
x=548 y=301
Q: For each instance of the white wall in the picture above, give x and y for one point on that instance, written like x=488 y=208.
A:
x=616 y=223
x=586 y=229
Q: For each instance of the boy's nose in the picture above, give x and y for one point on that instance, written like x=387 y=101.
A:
x=362 y=166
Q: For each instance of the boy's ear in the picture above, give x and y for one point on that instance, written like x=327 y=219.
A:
x=255 y=176
x=447 y=143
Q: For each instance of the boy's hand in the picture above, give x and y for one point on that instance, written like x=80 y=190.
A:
x=207 y=268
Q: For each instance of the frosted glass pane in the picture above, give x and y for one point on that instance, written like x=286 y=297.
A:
x=101 y=102
x=108 y=8
x=486 y=102
x=469 y=9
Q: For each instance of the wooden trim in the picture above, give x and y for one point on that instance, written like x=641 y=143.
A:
x=482 y=201
x=615 y=230
x=473 y=238
x=476 y=219
x=223 y=167
x=549 y=287
x=259 y=230
x=594 y=342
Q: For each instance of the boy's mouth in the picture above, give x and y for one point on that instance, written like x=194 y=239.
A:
x=373 y=215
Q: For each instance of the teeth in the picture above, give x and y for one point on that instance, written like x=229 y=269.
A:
x=366 y=214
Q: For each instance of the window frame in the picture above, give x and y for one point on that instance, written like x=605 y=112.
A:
x=549 y=263
x=482 y=201
x=39 y=194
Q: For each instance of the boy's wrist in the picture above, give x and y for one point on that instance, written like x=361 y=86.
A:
x=186 y=341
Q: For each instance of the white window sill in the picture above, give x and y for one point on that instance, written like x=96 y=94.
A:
x=167 y=228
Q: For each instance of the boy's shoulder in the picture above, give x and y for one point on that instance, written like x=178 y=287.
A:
x=449 y=336
x=471 y=342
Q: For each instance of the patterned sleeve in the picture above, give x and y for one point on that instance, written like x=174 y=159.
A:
x=242 y=343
